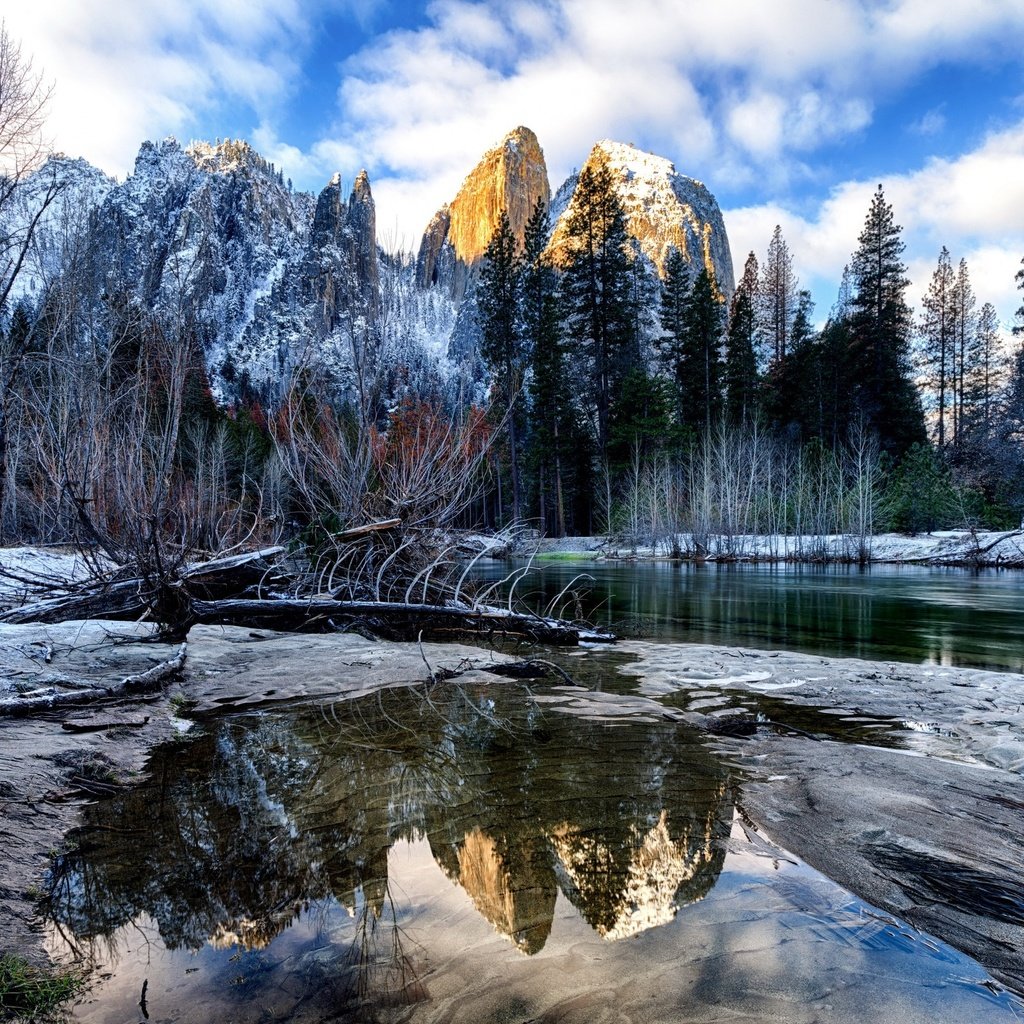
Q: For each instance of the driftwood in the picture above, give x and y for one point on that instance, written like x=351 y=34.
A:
x=142 y=683
x=392 y=617
x=125 y=599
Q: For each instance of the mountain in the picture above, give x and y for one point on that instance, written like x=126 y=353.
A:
x=270 y=279
x=509 y=177
x=267 y=277
x=664 y=209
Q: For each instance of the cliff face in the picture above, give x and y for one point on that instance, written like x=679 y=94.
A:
x=509 y=177
x=262 y=270
x=340 y=272
x=664 y=210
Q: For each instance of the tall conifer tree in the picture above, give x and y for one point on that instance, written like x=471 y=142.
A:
x=741 y=380
x=550 y=388
x=778 y=296
x=597 y=286
x=502 y=348
x=880 y=325
x=964 y=325
x=675 y=305
x=938 y=329
x=701 y=363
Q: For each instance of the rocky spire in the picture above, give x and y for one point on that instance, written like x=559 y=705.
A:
x=509 y=177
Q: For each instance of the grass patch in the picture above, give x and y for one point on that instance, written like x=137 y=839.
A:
x=28 y=993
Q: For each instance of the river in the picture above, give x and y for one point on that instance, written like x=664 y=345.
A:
x=901 y=613
x=520 y=851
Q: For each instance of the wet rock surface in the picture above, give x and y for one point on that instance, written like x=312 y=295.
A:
x=902 y=783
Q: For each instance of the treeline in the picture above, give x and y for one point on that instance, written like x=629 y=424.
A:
x=609 y=391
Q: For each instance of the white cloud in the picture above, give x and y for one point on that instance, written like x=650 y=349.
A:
x=973 y=204
x=739 y=92
x=127 y=72
x=932 y=122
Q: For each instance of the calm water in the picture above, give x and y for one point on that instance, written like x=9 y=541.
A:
x=476 y=853
x=906 y=613
x=522 y=852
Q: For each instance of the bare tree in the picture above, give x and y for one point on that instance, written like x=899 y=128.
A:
x=24 y=96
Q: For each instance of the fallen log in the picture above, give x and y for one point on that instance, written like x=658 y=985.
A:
x=122 y=600
x=396 y=618
x=127 y=600
x=141 y=683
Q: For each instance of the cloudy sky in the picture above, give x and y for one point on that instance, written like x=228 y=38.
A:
x=791 y=111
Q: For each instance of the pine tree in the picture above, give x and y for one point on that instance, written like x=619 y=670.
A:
x=984 y=368
x=964 y=326
x=880 y=325
x=791 y=382
x=831 y=383
x=701 y=363
x=938 y=329
x=550 y=390
x=675 y=304
x=597 y=287
x=501 y=343
x=778 y=295
x=741 y=380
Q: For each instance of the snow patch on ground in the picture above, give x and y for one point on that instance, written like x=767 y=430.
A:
x=25 y=570
x=943 y=547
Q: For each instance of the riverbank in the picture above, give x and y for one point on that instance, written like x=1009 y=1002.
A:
x=899 y=782
x=963 y=548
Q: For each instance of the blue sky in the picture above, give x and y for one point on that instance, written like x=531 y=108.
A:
x=791 y=111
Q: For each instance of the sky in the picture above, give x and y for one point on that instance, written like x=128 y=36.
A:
x=791 y=111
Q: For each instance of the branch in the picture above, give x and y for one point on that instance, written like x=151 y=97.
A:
x=143 y=683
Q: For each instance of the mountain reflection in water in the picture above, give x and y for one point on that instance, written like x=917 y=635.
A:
x=261 y=819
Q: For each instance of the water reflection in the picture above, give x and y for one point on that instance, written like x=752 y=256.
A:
x=248 y=828
x=471 y=854
x=906 y=613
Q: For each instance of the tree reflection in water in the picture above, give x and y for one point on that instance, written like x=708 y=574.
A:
x=265 y=819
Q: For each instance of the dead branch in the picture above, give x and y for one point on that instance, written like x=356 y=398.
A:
x=142 y=683
x=360 y=531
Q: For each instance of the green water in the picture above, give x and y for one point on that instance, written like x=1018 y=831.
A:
x=907 y=613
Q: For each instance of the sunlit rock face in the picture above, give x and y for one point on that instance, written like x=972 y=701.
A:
x=664 y=210
x=510 y=177
x=512 y=886
x=624 y=889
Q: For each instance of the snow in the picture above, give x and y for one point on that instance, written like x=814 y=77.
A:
x=33 y=569
x=952 y=547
